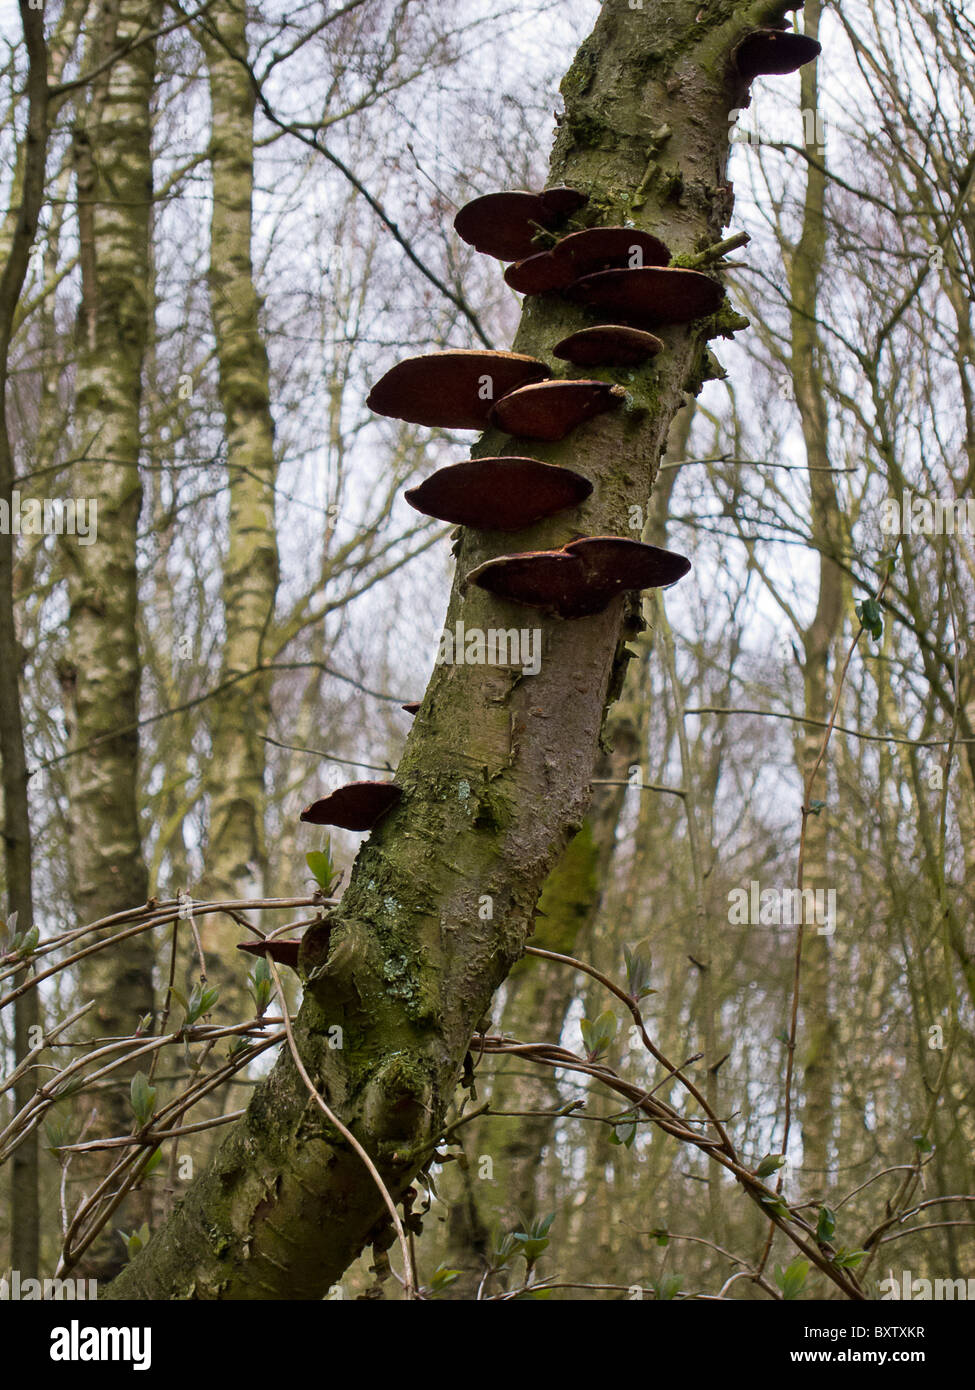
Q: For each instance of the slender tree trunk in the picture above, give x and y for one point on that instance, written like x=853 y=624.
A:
x=100 y=676
x=818 y=1033
x=496 y=770
x=24 y=1195
x=236 y=856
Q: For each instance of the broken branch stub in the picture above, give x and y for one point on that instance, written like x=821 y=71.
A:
x=499 y=494
x=357 y=806
x=504 y=225
x=582 y=578
x=452 y=390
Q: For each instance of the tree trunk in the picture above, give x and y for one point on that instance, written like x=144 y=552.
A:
x=496 y=770
x=28 y=189
x=818 y=1032
x=235 y=856
x=100 y=676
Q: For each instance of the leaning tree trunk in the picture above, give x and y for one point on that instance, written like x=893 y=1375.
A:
x=496 y=771
x=100 y=674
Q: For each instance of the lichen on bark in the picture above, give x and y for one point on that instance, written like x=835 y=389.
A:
x=496 y=771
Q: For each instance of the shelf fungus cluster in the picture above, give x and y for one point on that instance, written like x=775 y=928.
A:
x=621 y=278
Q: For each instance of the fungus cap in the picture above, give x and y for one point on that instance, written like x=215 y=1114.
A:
x=357 y=806
x=453 y=390
x=550 y=410
x=582 y=578
x=499 y=494
x=504 y=225
x=656 y=294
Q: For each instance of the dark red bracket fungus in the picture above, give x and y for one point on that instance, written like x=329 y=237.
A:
x=454 y=390
x=582 y=578
x=655 y=294
x=608 y=345
x=357 y=806
x=505 y=225
x=413 y=707
x=774 y=52
x=582 y=253
x=552 y=409
x=499 y=494
x=283 y=951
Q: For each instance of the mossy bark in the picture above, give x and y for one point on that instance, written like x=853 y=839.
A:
x=235 y=857
x=497 y=767
x=100 y=672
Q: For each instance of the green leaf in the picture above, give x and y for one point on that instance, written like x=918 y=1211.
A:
x=25 y=943
x=136 y=1241
x=922 y=1143
x=58 y=1131
x=155 y=1158
x=639 y=967
x=506 y=1250
x=770 y=1164
x=826 y=1225
x=443 y=1278
x=320 y=863
x=143 y=1098
x=598 y=1035
x=848 y=1259
x=775 y=1206
x=534 y=1241
x=667 y=1288
x=792 y=1279
x=261 y=986
x=871 y=617
x=200 y=1002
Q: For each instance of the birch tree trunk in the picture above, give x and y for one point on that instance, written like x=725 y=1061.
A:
x=100 y=674
x=236 y=858
x=496 y=770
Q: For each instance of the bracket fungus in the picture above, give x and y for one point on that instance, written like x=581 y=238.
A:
x=582 y=578
x=504 y=225
x=499 y=494
x=550 y=410
x=413 y=708
x=608 y=345
x=283 y=951
x=453 y=390
x=774 y=52
x=357 y=806
x=583 y=253
x=655 y=294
